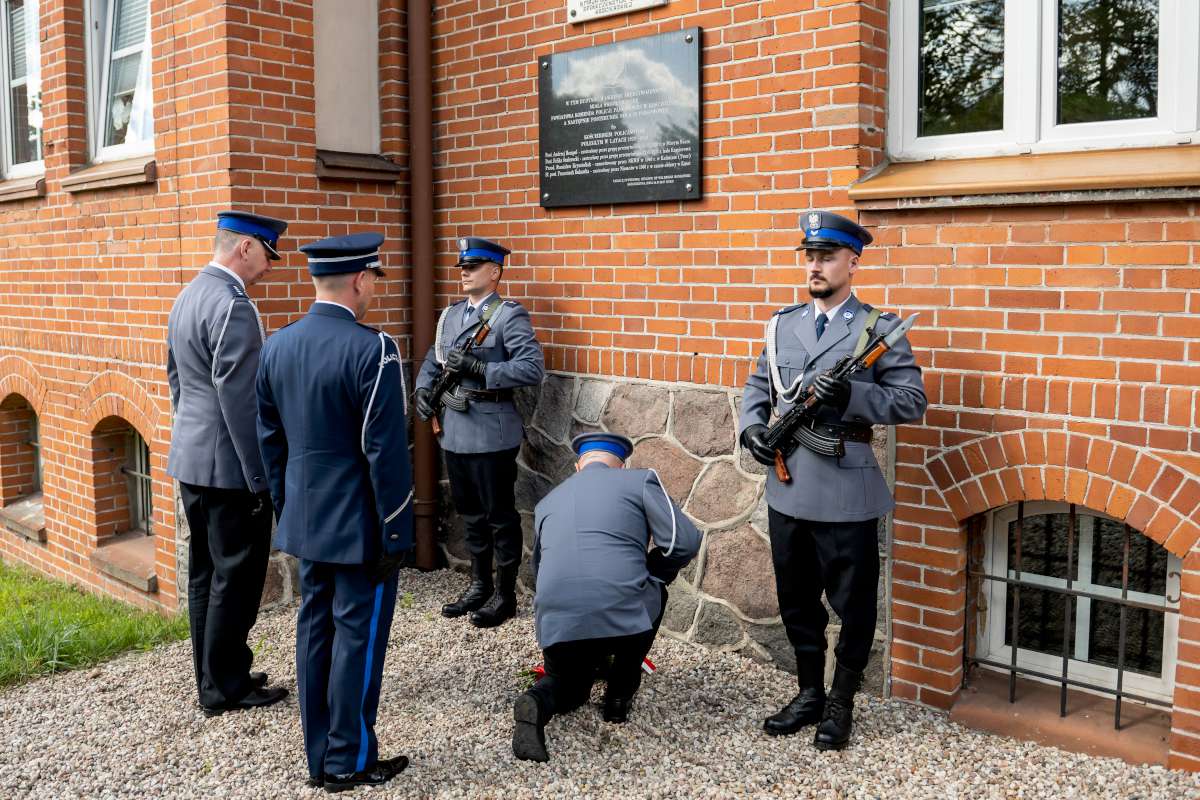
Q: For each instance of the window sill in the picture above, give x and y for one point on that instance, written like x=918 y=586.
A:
x=22 y=188
x=143 y=169
x=26 y=518
x=1087 y=728
x=1087 y=176
x=357 y=167
x=128 y=557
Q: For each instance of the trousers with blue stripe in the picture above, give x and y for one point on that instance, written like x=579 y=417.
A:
x=341 y=639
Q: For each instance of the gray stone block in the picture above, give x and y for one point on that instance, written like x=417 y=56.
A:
x=703 y=422
x=722 y=493
x=738 y=569
x=681 y=609
x=636 y=410
x=676 y=469
x=530 y=489
x=717 y=626
x=541 y=454
x=593 y=396
x=772 y=637
x=553 y=413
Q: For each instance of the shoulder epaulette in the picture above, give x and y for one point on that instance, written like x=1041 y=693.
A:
x=786 y=309
x=511 y=303
x=237 y=291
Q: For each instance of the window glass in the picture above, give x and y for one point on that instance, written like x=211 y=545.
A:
x=24 y=81
x=961 y=66
x=1107 y=60
x=128 y=114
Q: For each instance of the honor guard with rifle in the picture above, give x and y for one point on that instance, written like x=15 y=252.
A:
x=484 y=348
x=830 y=370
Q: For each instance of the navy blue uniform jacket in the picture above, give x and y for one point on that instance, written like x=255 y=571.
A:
x=334 y=440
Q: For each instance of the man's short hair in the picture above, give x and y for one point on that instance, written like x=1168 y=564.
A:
x=226 y=240
x=334 y=283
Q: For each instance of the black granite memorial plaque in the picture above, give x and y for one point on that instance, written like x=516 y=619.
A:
x=620 y=123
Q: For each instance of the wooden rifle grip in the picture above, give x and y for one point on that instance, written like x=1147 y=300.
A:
x=781 y=470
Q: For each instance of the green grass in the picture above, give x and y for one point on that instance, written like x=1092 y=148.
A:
x=47 y=626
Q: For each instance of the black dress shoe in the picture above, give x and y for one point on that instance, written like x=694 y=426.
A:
x=833 y=732
x=804 y=709
x=384 y=770
x=258 y=680
x=616 y=709
x=529 y=730
x=315 y=781
x=257 y=698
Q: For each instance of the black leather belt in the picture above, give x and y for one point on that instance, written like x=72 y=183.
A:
x=850 y=433
x=490 y=395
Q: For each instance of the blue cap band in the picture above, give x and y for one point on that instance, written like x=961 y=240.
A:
x=243 y=225
x=608 y=447
x=850 y=240
x=475 y=252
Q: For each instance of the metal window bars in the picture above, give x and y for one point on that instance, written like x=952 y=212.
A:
x=141 y=487
x=978 y=577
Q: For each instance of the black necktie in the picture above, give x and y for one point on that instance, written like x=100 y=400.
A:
x=821 y=320
x=467 y=314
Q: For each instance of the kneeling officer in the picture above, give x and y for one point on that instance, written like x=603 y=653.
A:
x=600 y=593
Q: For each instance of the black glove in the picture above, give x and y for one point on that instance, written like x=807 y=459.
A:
x=424 y=403
x=386 y=567
x=831 y=391
x=752 y=440
x=458 y=361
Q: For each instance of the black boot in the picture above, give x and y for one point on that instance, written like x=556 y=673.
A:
x=834 y=730
x=502 y=605
x=529 y=729
x=477 y=592
x=807 y=706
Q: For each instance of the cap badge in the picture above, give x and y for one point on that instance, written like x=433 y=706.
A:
x=462 y=244
x=814 y=220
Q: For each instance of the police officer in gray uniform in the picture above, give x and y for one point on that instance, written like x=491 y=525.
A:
x=213 y=341
x=607 y=542
x=481 y=430
x=823 y=522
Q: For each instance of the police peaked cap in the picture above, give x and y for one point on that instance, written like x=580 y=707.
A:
x=473 y=250
x=824 y=230
x=266 y=229
x=339 y=255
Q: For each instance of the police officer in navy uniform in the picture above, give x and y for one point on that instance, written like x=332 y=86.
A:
x=213 y=343
x=332 y=429
x=607 y=543
x=481 y=430
x=823 y=523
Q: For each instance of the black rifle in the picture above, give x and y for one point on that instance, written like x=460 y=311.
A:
x=448 y=379
x=788 y=431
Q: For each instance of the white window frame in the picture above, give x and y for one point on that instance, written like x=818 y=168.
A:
x=990 y=641
x=9 y=170
x=100 y=21
x=1030 y=78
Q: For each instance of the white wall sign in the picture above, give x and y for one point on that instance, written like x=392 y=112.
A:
x=583 y=10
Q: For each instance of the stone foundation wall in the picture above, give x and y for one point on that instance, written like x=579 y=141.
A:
x=725 y=599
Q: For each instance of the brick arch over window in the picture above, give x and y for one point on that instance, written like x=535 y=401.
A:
x=1128 y=483
x=112 y=394
x=18 y=376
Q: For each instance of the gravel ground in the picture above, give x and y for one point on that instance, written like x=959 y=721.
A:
x=131 y=728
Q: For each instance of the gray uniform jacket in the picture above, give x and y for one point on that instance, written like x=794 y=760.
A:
x=825 y=489
x=514 y=358
x=213 y=341
x=594 y=575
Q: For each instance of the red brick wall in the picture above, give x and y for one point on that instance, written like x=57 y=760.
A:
x=670 y=291
x=1059 y=342
x=87 y=279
